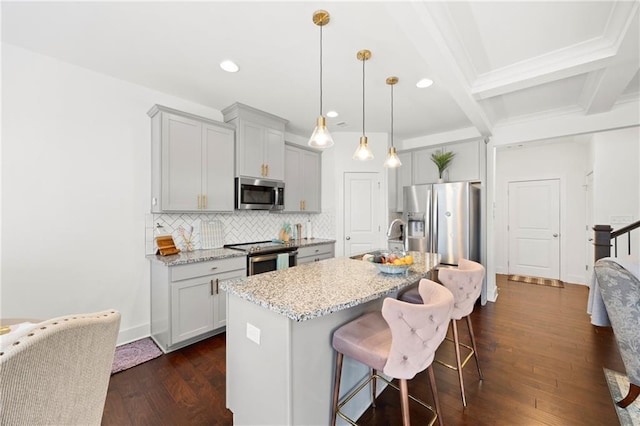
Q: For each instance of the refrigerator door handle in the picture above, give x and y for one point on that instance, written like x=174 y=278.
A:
x=434 y=223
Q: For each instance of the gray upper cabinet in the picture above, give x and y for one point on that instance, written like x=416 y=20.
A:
x=417 y=167
x=403 y=177
x=302 y=172
x=192 y=162
x=259 y=142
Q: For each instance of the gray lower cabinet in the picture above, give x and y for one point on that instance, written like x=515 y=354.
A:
x=187 y=304
x=315 y=253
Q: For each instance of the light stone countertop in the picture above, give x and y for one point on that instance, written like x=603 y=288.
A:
x=195 y=256
x=319 y=288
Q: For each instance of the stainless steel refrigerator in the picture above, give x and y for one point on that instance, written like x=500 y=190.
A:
x=443 y=218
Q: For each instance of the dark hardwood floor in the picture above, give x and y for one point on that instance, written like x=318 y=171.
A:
x=541 y=358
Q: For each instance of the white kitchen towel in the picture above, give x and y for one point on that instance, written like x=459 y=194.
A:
x=282 y=261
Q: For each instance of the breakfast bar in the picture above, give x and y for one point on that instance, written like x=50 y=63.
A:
x=279 y=328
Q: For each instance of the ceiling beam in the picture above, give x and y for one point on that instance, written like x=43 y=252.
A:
x=604 y=88
x=581 y=58
x=421 y=29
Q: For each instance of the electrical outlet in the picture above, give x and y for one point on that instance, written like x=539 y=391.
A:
x=253 y=333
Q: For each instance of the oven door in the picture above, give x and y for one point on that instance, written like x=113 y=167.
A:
x=261 y=263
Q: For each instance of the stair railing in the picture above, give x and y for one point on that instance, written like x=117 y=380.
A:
x=603 y=234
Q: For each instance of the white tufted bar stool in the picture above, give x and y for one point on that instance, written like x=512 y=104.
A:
x=465 y=283
x=57 y=372
x=400 y=341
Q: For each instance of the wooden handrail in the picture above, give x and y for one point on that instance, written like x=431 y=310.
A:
x=625 y=229
x=604 y=234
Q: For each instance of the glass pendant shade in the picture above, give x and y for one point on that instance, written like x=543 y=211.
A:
x=392 y=159
x=363 y=152
x=321 y=138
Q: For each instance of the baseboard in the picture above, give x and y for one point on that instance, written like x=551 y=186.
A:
x=575 y=279
x=133 y=334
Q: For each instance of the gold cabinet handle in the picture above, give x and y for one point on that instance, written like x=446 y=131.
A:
x=199 y=201
x=267 y=166
x=205 y=202
x=217 y=286
x=211 y=286
x=262 y=170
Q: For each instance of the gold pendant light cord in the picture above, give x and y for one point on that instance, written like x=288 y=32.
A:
x=363 y=61
x=392 y=116
x=321 y=68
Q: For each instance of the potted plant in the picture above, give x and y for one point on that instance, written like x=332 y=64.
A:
x=442 y=160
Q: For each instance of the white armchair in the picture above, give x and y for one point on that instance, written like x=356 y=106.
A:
x=58 y=372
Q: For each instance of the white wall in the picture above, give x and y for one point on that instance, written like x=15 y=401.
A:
x=75 y=190
x=616 y=191
x=561 y=159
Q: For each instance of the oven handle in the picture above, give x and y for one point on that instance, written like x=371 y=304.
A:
x=273 y=256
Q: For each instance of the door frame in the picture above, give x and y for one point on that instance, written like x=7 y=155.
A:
x=562 y=215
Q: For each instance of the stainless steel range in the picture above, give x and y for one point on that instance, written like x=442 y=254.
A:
x=262 y=256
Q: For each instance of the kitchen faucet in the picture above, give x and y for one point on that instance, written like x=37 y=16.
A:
x=405 y=240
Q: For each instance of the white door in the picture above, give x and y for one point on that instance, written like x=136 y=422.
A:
x=362 y=204
x=534 y=228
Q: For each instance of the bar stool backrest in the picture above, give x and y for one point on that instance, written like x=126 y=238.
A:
x=465 y=283
x=416 y=330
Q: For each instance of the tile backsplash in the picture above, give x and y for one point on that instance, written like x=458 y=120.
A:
x=239 y=226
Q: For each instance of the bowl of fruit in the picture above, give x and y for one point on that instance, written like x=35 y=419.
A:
x=393 y=263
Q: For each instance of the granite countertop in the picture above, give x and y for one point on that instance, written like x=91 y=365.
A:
x=320 y=288
x=311 y=242
x=195 y=256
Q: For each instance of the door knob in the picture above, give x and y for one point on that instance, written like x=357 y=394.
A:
x=555 y=235
x=348 y=238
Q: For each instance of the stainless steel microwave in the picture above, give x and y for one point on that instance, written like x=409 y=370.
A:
x=259 y=194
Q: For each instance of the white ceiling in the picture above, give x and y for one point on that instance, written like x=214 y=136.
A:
x=492 y=62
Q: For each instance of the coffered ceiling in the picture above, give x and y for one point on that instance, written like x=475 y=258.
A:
x=492 y=62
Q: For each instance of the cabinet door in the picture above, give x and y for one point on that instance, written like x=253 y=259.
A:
x=181 y=163
x=403 y=178
x=220 y=297
x=217 y=168
x=310 y=171
x=192 y=308
x=424 y=170
x=292 y=181
x=274 y=153
x=251 y=159
x=466 y=164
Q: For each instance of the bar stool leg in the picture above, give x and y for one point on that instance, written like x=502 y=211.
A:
x=373 y=387
x=434 y=390
x=456 y=342
x=404 y=401
x=473 y=343
x=336 y=388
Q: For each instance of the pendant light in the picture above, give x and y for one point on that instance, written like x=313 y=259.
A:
x=321 y=138
x=392 y=157
x=363 y=152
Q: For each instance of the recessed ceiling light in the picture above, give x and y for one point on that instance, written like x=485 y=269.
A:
x=229 y=66
x=425 y=82
x=332 y=114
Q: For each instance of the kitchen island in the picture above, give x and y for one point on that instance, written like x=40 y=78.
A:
x=280 y=361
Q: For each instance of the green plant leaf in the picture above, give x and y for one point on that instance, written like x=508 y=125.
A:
x=442 y=160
